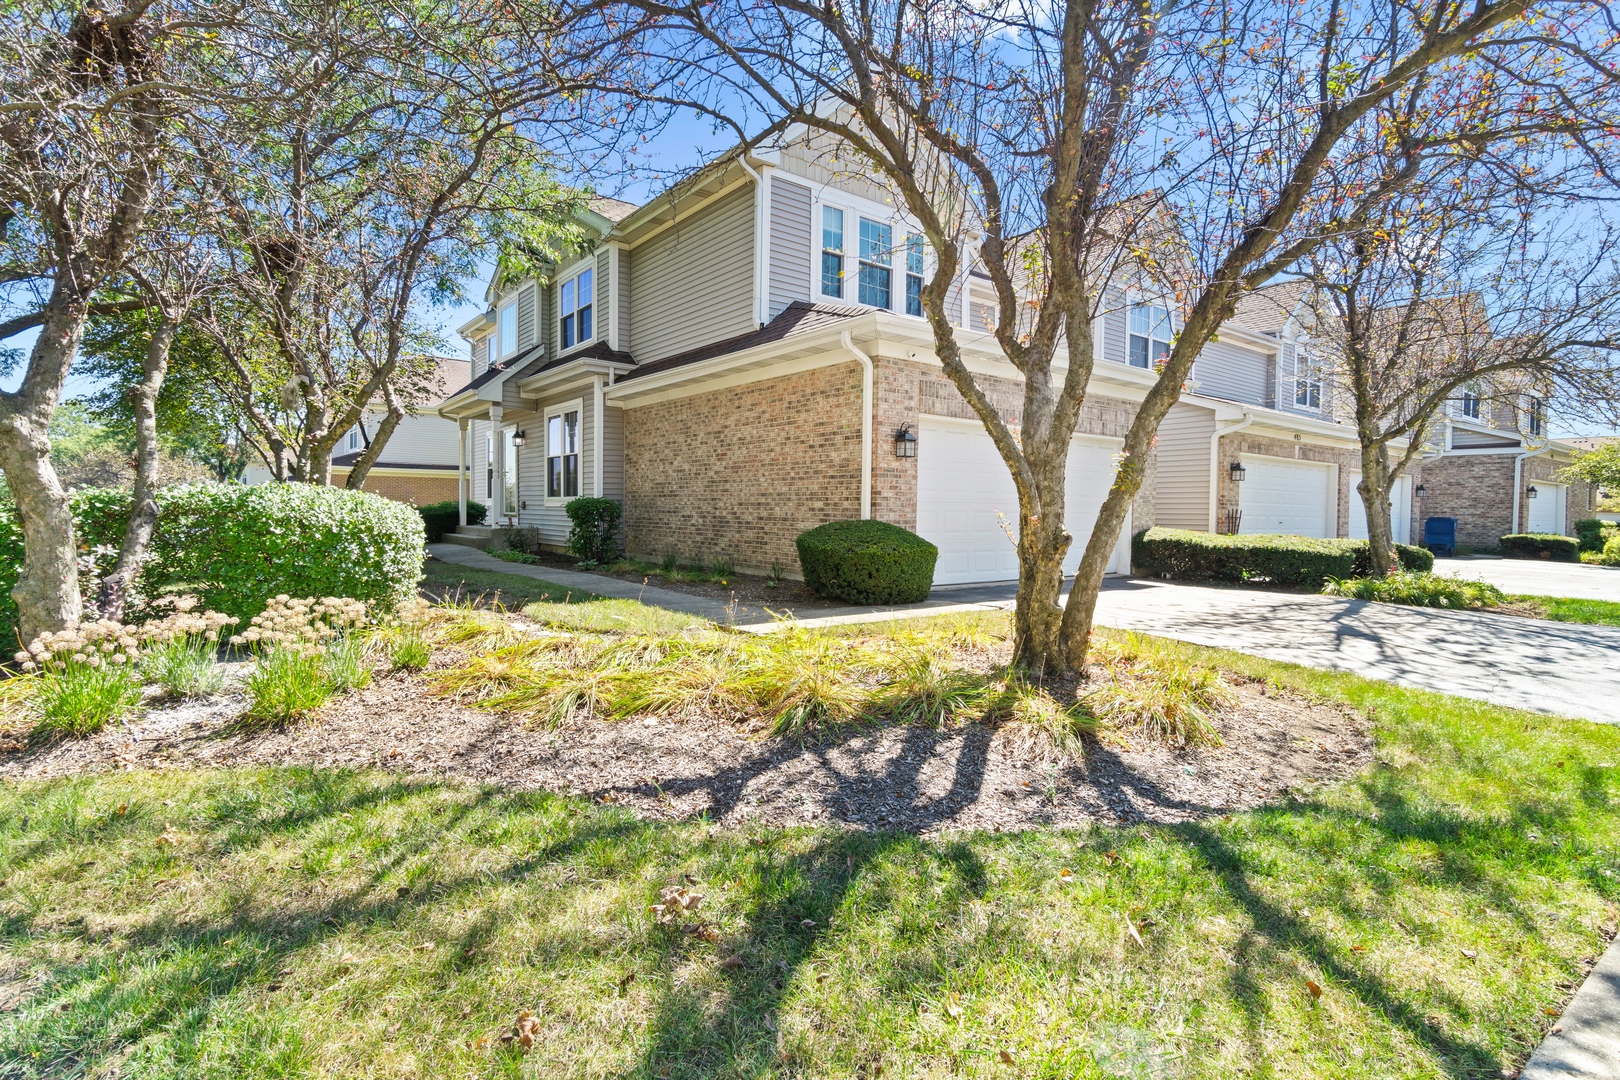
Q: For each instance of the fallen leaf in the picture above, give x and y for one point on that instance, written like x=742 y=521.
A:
x=169 y=837
x=1358 y=948
x=123 y=808
x=732 y=962
x=1557 y=1028
x=953 y=1005
x=1067 y=875
x=807 y=923
x=1549 y=1011
x=1314 y=987
x=1135 y=936
x=1006 y=1057
x=1469 y=953
x=822 y=976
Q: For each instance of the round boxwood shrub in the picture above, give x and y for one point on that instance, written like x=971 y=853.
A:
x=237 y=547
x=867 y=562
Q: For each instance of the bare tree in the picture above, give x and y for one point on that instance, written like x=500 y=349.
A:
x=1462 y=285
x=1057 y=148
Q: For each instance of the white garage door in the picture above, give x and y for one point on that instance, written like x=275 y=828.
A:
x=1286 y=497
x=1400 y=510
x=968 y=507
x=1546 y=513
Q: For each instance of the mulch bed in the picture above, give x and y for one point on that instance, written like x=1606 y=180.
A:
x=891 y=777
x=748 y=589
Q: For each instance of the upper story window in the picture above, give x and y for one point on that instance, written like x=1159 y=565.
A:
x=832 y=252
x=877 y=272
x=562 y=454
x=1535 y=416
x=1470 y=403
x=914 y=274
x=354 y=438
x=506 y=331
x=1151 y=335
x=574 y=309
x=1307 y=380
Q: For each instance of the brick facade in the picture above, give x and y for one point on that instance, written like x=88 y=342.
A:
x=738 y=473
x=1477 y=490
x=418 y=489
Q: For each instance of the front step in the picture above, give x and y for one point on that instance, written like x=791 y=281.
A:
x=475 y=536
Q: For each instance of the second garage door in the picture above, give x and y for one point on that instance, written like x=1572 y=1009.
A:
x=1287 y=497
x=968 y=507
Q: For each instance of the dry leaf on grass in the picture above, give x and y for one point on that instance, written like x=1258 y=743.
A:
x=169 y=837
x=1135 y=935
x=1006 y=1057
x=732 y=962
x=1314 y=987
x=1067 y=875
x=524 y=1033
x=953 y=1005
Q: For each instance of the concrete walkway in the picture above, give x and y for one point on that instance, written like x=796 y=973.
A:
x=1561 y=668
x=1585 y=1043
x=1537 y=578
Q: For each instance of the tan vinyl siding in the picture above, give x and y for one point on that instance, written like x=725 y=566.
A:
x=613 y=453
x=695 y=280
x=822 y=159
x=525 y=316
x=1232 y=372
x=622 y=307
x=790 y=239
x=1182 y=483
x=553 y=520
x=602 y=290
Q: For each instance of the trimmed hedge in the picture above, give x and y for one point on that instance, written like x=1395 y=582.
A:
x=1293 y=561
x=1595 y=533
x=445 y=517
x=237 y=547
x=1611 y=552
x=867 y=562
x=1541 y=546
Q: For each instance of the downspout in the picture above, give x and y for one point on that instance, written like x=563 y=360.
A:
x=760 y=303
x=1518 y=483
x=866 y=421
x=1215 y=464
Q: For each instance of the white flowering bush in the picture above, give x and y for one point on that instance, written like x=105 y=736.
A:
x=301 y=625
x=180 y=650
x=306 y=649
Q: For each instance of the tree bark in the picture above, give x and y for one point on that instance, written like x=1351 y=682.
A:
x=358 y=472
x=1374 y=491
x=47 y=590
x=143 y=509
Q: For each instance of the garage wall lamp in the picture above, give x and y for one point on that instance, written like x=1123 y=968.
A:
x=1422 y=491
x=1532 y=491
x=905 y=442
x=1239 y=473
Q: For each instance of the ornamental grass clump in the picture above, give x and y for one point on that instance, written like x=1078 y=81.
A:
x=305 y=650
x=180 y=651
x=87 y=676
x=1169 y=699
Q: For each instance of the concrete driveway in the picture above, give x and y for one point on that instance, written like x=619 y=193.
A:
x=1536 y=577
x=1561 y=668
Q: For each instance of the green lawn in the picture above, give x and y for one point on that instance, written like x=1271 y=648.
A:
x=487 y=586
x=298 y=923
x=1567 y=609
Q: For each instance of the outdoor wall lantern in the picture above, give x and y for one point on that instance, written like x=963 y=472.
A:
x=1238 y=472
x=905 y=442
x=1422 y=491
x=1532 y=491
x=519 y=438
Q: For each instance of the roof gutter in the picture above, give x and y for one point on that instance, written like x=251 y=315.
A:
x=1215 y=463
x=866 y=422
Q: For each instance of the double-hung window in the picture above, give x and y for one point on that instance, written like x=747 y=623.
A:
x=914 y=274
x=562 y=454
x=1536 y=416
x=832 y=252
x=1307 y=380
x=877 y=259
x=1151 y=335
x=506 y=330
x=574 y=309
x=1470 y=404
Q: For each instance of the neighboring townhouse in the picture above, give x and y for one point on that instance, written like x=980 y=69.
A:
x=1493 y=467
x=418 y=464
x=743 y=358
x=1255 y=445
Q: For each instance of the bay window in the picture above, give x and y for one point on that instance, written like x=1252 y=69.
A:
x=574 y=309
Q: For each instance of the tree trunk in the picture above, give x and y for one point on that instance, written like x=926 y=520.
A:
x=143 y=508
x=47 y=590
x=1043 y=541
x=1374 y=492
x=358 y=472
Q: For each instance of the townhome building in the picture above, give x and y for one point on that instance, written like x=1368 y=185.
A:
x=745 y=357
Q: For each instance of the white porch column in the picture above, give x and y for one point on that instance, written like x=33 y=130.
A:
x=463 y=468
x=497 y=437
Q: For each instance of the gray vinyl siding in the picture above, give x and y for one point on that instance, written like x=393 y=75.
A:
x=479 y=491
x=422 y=439
x=525 y=316
x=1181 y=485
x=603 y=294
x=1462 y=439
x=1233 y=373
x=613 y=453
x=553 y=520
x=695 y=280
x=981 y=316
x=1116 y=325
x=790 y=244
x=824 y=159
x=623 y=305
x=953 y=304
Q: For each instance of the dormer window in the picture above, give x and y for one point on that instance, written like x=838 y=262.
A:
x=1151 y=335
x=1307 y=380
x=506 y=331
x=574 y=309
x=1469 y=405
